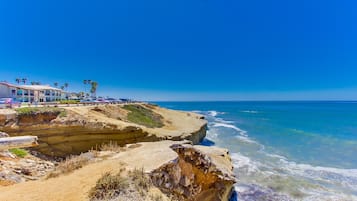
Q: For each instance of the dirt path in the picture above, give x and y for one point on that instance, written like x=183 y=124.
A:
x=75 y=186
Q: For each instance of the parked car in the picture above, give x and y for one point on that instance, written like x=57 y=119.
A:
x=87 y=100
x=102 y=100
x=2 y=104
x=113 y=100
x=9 y=103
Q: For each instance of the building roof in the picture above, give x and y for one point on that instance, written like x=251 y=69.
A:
x=31 y=87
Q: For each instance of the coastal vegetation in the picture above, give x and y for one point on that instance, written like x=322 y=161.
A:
x=111 y=146
x=19 y=152
x=71 y=164
x=69 y=101
x=24 y=80
x=93 y=87
x=110 y=186
x=93 y=90
x=34 y=110
x=143 y=116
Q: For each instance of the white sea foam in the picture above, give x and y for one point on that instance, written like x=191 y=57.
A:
x=240 y=131
x=211 y=134
x=276 y=156
x=250 y=111
x=240 y=161
x=214 y=113
x=344 y=177
x=246 y=139
x=269 y=166
x=220 y=120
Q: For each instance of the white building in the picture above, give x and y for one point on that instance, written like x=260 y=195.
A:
x=31 y=93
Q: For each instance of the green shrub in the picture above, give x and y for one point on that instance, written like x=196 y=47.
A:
x=33 y=110
x=19 y=152
x=143 y=116
x=69 y=101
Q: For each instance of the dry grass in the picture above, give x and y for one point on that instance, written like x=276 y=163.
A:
x=71 y=164
x=156 y=197
x=109 y=186
x=111 y=146
x=140 y=179
x=134 y=185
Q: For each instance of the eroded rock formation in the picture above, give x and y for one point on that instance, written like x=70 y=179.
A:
x=84 y=128
x=198 y=174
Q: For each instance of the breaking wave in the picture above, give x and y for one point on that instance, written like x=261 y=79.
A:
x=262 y=173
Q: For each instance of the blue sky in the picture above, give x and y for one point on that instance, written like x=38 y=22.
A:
x=185 y=49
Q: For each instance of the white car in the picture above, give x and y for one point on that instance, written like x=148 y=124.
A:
x=2 y=104
x=9 y=103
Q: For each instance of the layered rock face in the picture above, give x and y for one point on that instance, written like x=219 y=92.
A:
x=198 y=174
x=84 y=128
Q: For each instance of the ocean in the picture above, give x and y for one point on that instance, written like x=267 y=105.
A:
x=285 y=150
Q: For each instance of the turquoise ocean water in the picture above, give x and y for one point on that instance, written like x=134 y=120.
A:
x=285 y=150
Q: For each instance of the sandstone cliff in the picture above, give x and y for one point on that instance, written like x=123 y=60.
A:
x=179 y=171
x=197 y=173
x=78 y=129
x=166 y=150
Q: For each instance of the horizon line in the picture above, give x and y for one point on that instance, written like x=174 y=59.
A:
x=337 y=100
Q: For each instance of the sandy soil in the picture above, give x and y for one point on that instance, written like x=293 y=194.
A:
x=176 y=123
x=75 y=186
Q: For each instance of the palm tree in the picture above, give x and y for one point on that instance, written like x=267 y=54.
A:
x=18 y=80
x=66 y=86
x=81 y=94
x=55 y=84
x=85 y=82
x=24 y=80
x=33 y=83
x=93 y=89
x=62 y=87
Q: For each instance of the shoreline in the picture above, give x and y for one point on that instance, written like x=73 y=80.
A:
x=178 y=126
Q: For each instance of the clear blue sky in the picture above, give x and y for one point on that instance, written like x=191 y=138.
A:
x=185 y=49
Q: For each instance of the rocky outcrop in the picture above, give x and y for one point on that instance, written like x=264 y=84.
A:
x=16 y=170
x=84 y=128
x=197 y=174
x=6 y=116
x=2 y=134
x=36 y=118
x=180 y=172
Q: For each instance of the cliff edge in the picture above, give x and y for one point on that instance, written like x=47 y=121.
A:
x=73 y=130
x=178 y=170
